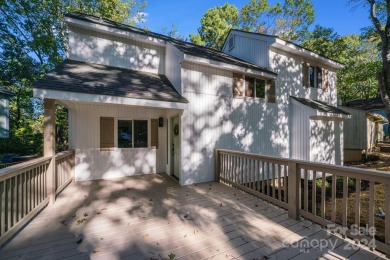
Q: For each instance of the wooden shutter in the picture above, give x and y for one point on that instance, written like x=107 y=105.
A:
x=270 y=91
x=154 y=133
x=238 y=85
x=106 y=132
x=325 y=79
x=305 y=75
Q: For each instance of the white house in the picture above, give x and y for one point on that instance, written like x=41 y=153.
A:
x=142 y=103
x=5 y=95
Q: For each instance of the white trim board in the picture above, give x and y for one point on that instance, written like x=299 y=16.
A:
x=84 y=97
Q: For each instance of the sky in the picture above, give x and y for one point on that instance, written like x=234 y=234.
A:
x=186 y=14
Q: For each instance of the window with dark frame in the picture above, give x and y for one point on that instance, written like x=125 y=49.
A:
x=132 y=133
x=315 y=77
x=254 y=87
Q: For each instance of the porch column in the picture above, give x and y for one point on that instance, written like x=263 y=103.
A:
x=49 y=146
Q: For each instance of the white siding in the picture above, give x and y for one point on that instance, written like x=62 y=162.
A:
x=355 y=129
x=289 y=79
x=173 y=61
x=300 y=131
x=326 y=140
x=90 y=46
x=214 y=119
x=91 y=163
x=249 y=49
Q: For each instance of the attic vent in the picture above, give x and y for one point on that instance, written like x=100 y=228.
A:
x=231 y=42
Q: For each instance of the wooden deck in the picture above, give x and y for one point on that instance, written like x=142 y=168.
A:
x=152 y=217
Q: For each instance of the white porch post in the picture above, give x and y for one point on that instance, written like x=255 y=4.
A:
x=49 y=145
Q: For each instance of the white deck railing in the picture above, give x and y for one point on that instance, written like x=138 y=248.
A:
x=289 y=184
x=24 y=190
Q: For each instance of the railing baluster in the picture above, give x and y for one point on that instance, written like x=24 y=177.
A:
x=3 y=207
x=371 y=208
x=20 y=196
x=262 y=177
x=357 y=202
x=333 y=202
x=306 y=191
x=285 y=184
x=345 y=201
x=314 y=193
x=273 y=180
x=268 y=179
x=9 y=219
x=279 y=182
x=323 y=194
x=258 y=175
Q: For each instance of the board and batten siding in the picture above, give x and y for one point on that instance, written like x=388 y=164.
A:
x=214 y=119
x=247 y=48
x=173 y=60
x=92 y=163
x=290 y=78
x=355 y=129
x=96 y=47
x=326 y=140
x=300 y=131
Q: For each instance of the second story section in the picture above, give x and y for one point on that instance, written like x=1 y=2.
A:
x=301 y=72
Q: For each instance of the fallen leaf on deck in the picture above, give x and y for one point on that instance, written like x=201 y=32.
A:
x=220 y=205
x=256 y=205
x=185 y=236
x=146 y=235
x=63 y=223
x=209 y=188
x=151 y=200
x=85 y=195
x=101 y=238
x=185 y=216
x=98 y=213
x=81 y=221
x=79 y=241
x=157 y=243
x=104 y=209
x=85 y=214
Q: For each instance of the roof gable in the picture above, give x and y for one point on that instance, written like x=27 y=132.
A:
x=185 y=47
x=288 y=46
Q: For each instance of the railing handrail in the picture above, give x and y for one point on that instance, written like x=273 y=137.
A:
x=385 y=176
x=13 y=170
x=64 y=154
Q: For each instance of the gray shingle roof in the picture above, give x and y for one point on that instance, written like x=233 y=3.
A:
x=82 y=77
x=320 y=106
x=366 y=104
x=185 y=47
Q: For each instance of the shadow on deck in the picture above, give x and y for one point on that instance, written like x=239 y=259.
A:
x=152 y=217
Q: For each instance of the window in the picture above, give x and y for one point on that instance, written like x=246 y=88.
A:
x=315 y=77
x=231 y=42
x=254 y=87
x=132 y=133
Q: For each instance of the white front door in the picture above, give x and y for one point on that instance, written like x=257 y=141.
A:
x=175 y=147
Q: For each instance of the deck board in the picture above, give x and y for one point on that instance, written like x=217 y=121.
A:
x=151 y=217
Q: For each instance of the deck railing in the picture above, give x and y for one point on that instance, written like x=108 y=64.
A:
x=24 y=190
x=350 y=201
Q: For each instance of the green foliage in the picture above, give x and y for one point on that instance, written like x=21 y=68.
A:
x=289 y=20
x=215 y=26
x=360 y=56
x=173 y=33
x=32 y=42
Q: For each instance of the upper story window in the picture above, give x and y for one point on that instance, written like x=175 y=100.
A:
x=231 y=42
x=315 y=77
x=246 y=86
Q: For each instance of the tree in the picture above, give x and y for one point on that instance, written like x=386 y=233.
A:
x=360 y=57
x=32 y=42
x=380 y=17
x=173 y=33
x=215 y=26
x=289 y=20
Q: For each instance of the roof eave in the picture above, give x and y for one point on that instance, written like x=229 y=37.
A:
x=105 y=99
x=230 y=67
x=290 y=47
